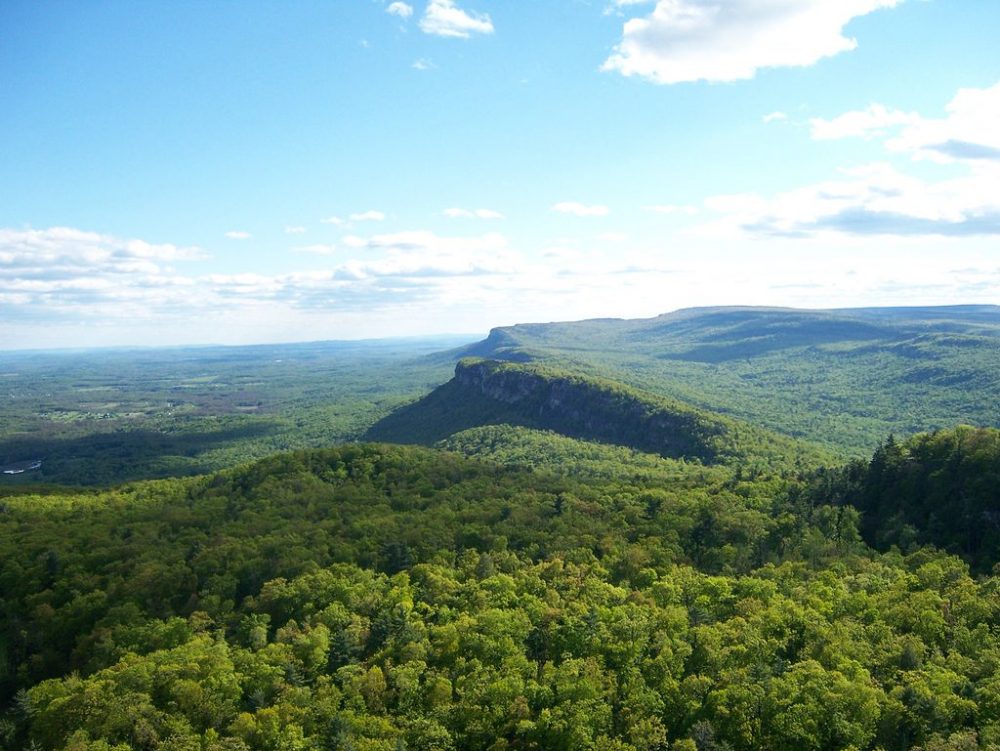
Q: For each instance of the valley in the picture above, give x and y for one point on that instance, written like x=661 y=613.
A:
x=590 y=541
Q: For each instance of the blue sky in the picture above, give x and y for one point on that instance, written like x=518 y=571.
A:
x=234 y=172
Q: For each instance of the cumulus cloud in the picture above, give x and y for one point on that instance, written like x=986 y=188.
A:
x=579 y=209
x=730 y=40
x=423 y=64
x=773 y=117
x=63 y=251
x=874 y=199
x=403 y=10
x=51 y=271
x=238 y=234
x=969 y=133
x=368 y=216
x=63 y=285
x=72 y=276
x=457 y=213
x=415 y=266
x=334 y=220
x=873 y=122
x=444 y=18
x=879 y=198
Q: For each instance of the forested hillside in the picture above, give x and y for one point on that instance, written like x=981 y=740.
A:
x=377 y=597
x=843 y=378
x=490 y=392
x=941 y=488
x=583 y=555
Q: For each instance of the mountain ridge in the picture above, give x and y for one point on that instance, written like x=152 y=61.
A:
x=493 y=392
x=844 y=377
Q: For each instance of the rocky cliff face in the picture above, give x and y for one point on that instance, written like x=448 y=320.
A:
x=495 y=381
x=492 y=392
x=584 y=408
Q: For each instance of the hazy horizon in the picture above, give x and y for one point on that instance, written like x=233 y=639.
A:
x=452 y=337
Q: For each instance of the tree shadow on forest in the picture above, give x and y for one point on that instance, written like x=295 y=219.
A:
x=120 y=456
x=448 y=409
x=752 y=339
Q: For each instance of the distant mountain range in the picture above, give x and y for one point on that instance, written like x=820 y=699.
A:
x=843 y=378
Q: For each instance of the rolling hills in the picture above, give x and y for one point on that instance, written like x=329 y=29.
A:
x=383 y=597
x=491 y=392
x=583 y=555
x=841 y=378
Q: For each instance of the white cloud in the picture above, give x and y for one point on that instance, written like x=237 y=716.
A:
x=403 y=10
x=294 y=230
x=238 y=234
x=334 y=220
x=879 y=199
x=730 y=40
x=66 y=277
x=63 y=286
x=423 y=64
x=457 y=213
x=580 y=209
x=52 y=251
x=970 y=133
x=872 y=122
x=613 y=237
x=775 y=117
x=444 y=18
x=63 y=271
x=874 y=199
x=488 y=214
x=368 y=216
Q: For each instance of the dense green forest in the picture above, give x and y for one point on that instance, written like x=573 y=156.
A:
x=941 y=488
x=610 y=539
x=491 y=392
x=842 y=378
x=378 y=597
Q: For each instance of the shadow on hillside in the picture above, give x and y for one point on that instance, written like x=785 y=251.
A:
x=120 y=456
x=761 y=337
x=445 y=411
